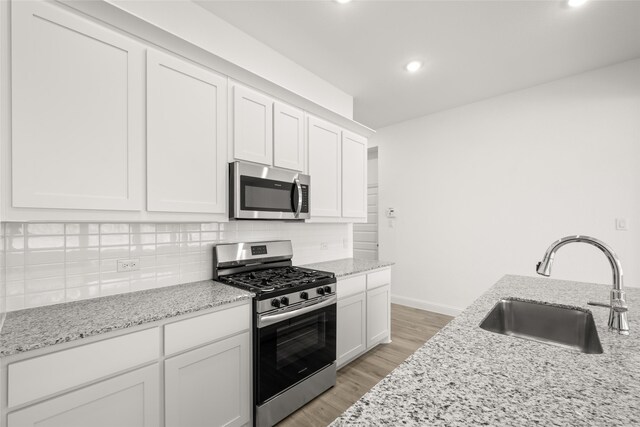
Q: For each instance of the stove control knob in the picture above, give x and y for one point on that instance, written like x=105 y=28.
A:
x=327 y=289
x=320 y=291
x=275 y=302
x=304 y=295
x=284 y=301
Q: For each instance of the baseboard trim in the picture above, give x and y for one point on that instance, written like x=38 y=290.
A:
x=426 y=305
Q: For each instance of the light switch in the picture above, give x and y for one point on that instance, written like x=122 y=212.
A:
x=621 y=224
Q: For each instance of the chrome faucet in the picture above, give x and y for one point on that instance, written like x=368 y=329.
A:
x=618 y=306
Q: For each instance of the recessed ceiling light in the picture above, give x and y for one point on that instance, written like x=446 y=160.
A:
x=342 y=1
x=413 y=66
x=576 y=3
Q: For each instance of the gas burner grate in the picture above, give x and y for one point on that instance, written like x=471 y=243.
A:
x=275 y=278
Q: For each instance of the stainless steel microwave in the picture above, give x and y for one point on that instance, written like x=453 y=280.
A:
x=262 y=192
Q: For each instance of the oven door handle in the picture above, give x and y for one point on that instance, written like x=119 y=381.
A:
x=270 y=319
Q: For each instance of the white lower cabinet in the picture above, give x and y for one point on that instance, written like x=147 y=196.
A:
x=364 y=314
x=128 y=400
x=378 y=315
x=352 y=321
x=209 y=386
x=115 y=381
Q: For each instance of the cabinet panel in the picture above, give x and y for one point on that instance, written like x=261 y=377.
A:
x=192 y=332
x=288 y=137
x=35 y=378
x=379 y=278
x=351 y=285
x=77 y=101
x=378 y=315
x=351 y=340
x=186 y=136
x=209 y=386
x=131 y=400
x=252 y=126
x=354 y=176
x=325 y=158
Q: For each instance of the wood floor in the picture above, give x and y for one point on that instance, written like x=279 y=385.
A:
x=410 y=329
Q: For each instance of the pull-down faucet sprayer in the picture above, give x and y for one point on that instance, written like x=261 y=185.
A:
x=618 y=306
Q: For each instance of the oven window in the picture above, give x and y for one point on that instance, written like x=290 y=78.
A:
x=299 y=339
x=258 y=194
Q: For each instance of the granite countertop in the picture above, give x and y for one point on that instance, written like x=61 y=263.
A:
x=39 y=327
x=348 y=266
x=468 y=376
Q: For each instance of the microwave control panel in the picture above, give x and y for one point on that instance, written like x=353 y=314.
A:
x=305 y=198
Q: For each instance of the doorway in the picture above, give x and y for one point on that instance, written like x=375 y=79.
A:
x=365 y=236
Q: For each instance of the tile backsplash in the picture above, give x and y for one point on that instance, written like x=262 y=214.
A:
x=50 y=263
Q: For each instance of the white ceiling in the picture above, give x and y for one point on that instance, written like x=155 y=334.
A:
x=472 y=50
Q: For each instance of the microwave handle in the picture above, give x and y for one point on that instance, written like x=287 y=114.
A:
x=298 y=189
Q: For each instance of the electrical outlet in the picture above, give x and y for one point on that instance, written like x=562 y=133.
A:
x=345 y=243
x=324 y=246
x=621 y=224
x=125 y=265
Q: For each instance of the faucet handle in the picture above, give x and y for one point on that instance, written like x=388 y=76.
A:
x=616 y=305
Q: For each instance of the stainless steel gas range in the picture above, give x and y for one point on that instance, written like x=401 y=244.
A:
x=294 y=324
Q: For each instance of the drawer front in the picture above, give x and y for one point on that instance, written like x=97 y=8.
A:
x=351 y=286
x=200 y=330
x=45 y=375
x=379 y=278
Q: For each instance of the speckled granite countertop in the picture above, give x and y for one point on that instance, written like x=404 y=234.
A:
x=39 y=327
x=467 y=376
x=347 y=266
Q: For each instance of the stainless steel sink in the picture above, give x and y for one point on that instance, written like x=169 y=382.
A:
x=564 y=326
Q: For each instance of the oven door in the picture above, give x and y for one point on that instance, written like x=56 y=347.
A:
x=260 y=192
x=293 y=346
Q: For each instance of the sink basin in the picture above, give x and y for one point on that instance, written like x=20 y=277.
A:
x=555 y=324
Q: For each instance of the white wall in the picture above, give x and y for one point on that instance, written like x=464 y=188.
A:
x=482 y=190
x=191 y=22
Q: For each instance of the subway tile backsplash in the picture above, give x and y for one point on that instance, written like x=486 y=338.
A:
x=50 y=263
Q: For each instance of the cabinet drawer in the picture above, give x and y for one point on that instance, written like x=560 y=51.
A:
x=379 y=278
x=200 y=330
x=45 y=375
x=130 y=399
x=351 y=286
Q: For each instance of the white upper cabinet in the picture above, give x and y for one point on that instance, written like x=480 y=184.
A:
x=325 y=168
x=252 y=126
x=354 y=176
x=186 y=136
x=77 y=112
x=288 y=137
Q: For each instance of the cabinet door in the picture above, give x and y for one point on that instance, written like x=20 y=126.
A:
x=288 y=137
x=186 y=136
x=209 y=386
x=252 y=126
x=77 y=112
x=351 y=340
x=354 y=176
x=131 y=400
x=324 y=167
x=378 y=315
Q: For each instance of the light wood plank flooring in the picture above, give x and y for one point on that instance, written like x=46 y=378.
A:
x=410 y=329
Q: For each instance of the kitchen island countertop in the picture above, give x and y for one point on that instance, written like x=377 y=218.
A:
x=40 y=327
x=468 y=376
x=348 y=266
